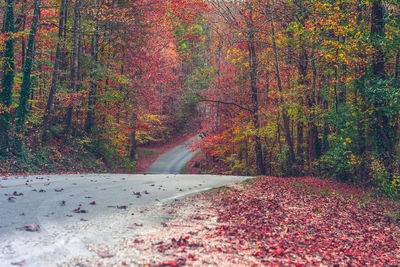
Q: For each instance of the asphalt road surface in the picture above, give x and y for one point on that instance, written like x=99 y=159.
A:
x=174 y=160
x=46 y=219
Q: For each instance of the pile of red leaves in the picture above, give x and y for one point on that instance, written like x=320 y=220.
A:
x=303 y=221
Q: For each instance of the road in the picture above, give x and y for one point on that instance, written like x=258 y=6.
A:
x=174 y=160
x=76 y=211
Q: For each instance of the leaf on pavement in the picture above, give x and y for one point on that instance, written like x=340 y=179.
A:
x=30 y=228
x=79 y=210
x=20 y=263
x=105 y=254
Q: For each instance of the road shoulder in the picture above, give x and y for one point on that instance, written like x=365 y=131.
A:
x=186 y=238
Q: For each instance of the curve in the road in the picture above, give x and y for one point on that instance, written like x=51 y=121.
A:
x=174 y=160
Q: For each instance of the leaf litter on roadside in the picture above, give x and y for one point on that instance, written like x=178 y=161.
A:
x=289 y=224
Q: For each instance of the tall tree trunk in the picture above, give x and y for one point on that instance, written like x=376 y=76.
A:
x=23 y=45
x=285 y=116
x=26 y=78
x=56 y=72
x=132 y=145
x=8 y=78
x=397 y=68
x=378 y=64
x=74 y=67
x=93 y=87
x=254 y=95
x=377 y=33
x=304 y=85
x=312 y=127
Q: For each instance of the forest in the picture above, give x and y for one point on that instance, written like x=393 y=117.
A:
x=276 y=87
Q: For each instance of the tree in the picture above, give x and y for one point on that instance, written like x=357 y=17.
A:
x=26 y=79
x=8 y=78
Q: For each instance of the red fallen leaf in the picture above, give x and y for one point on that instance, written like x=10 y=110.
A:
x=192 y=257
x=138 y=224
x=59 y=190
x=187 y=237
x=17 y=194
x=279 y=251
x=105 y=254
x=124 y=263
x=170 y=263
x=122 y=207
x=257 y=253
x=200 y=184
x=93 y=203
x=30 y=228
x=20 y=263
x=130 y=227
x=138 y=241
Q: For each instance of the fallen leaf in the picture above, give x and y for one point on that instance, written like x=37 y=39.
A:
x=79 y=210
x=105 y=254
x=30 y=228
x=20 y=263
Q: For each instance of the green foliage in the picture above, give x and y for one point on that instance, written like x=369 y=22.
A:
x=388 y=186
x=146 y=152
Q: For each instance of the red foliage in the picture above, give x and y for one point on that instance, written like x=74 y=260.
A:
x=303 y=221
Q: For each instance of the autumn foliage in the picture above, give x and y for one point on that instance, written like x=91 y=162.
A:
x=106 y=77
x=285 y=88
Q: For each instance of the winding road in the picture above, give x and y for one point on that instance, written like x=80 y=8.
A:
x=47 y=219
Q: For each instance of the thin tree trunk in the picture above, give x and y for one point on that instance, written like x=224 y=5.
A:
x=8 y=78
x=26 y=78
x=23 y=48
x=397 y=68
x=132 y=147
x=90 y=115
x=74 y=67
x=56 y=73
x=254 y=95
x=285 y=117
x=377 y=33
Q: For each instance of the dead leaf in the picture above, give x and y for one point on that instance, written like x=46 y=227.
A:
x=20 y=263
x=30 y=228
